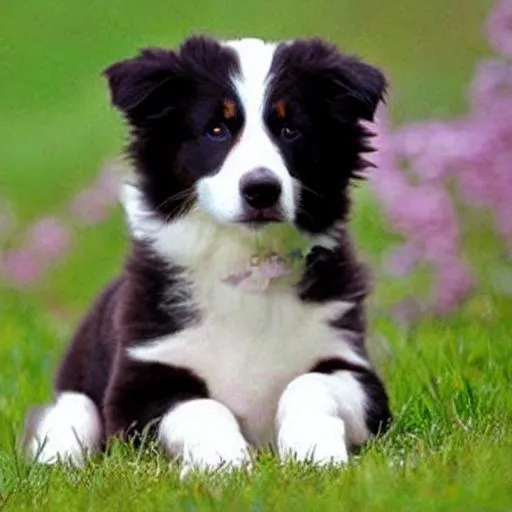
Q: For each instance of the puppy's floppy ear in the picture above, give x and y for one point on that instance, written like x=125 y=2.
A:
x=363 y=85
x=358 y=87
x=147 y=86
x=350 y=88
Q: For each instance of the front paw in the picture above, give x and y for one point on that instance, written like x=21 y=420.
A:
x=67 y=431
x=214 y=455
x=322 y=443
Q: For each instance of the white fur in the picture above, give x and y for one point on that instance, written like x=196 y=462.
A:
x=205 y=435
x=320 y=416
x=219 y=194
x=247 y=347
x=68 y=431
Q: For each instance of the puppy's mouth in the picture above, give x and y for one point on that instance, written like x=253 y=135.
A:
x=255 y=219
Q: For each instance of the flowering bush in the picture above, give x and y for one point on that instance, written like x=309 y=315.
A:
x=419 y=165
x=49 y=238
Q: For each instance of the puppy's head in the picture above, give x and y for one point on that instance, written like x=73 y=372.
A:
x=251 y=133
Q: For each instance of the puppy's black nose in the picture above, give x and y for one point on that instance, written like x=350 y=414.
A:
x=260 y=188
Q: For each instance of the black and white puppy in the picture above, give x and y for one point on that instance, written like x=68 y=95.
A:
x=217 y=336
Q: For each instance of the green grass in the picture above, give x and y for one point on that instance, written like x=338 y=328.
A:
x=449 y=379
x=449 y=449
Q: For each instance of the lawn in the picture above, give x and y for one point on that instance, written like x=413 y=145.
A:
x=450 y=447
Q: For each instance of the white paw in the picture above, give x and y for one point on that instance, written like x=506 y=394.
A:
x=67 y=431
x=206 y=436
x=321 y=442
x=213 y=455
x=57 y=446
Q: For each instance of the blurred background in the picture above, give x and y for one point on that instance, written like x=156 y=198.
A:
x=426 y=220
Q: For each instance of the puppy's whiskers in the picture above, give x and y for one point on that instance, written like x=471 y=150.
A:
x=182 y=194
x=180 y=209
x=304 y=212
x=314 y=192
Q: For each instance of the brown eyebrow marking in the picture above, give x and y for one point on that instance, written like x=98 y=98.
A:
x=229 y=109
x=280 y=108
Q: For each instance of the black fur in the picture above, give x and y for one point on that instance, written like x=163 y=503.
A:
x=378 y=414
x=170 y=99
x=328 y=94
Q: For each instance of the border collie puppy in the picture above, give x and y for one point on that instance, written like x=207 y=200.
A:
x=238 y=320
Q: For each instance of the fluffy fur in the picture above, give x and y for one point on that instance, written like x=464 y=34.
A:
x=239 y=148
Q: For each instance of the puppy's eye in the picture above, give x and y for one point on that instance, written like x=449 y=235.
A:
x=289 y=133
x=218 y=132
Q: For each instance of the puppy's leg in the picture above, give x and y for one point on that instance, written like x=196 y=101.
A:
x=321 y=415
x=189 y=425
x=205 y=434
x=66 y=431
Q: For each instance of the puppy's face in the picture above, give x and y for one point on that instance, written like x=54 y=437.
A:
x=250 y=132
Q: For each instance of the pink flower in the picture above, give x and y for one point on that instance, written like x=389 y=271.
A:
x=402 y=260
x=22 y=267
x=108 y=182
x=453 y=283
x=422 y=209
x=48 y=238
x=90 y=206
x=499 y=27
x=491 y=84
x=420 y=162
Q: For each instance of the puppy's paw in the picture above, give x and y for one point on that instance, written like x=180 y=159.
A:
x=66 y=431
x=322 y=443
x=60 y=447
x=214 y=455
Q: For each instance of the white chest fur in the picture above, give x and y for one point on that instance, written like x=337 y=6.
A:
x=247 y=346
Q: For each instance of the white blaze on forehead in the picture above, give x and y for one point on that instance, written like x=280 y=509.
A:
x=220 y=194
x=255 y=60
